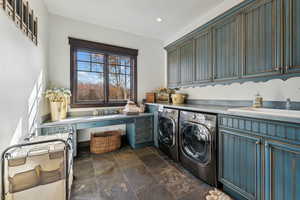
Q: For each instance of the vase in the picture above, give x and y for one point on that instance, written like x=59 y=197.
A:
x=58 y=110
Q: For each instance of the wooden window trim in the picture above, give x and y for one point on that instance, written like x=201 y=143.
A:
x=105 y=48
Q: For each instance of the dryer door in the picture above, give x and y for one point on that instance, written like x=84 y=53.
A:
x=196 y=142
x=167 y=131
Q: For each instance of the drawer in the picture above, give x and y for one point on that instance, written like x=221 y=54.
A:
x=104 y=123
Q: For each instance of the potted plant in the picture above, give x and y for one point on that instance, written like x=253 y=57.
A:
x=59 y=99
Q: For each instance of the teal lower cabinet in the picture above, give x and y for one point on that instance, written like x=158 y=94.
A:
x=240 y=163
x=140 y=133
x=154 y=109
x=259 y=159
x=282 y=171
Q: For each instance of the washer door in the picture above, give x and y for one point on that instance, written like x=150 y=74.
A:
x=196 y=142
x=167 y=131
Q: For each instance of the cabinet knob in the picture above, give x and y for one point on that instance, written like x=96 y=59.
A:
x=257 y=142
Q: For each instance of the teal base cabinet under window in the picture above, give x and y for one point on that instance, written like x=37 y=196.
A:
x=240 y=163
x=140 y=133
x=282 y=171
x=259 y=159
x=154 y=109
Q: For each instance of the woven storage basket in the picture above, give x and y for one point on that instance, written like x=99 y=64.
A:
x=104 y=142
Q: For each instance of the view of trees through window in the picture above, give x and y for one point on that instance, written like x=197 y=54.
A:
x=101 y=76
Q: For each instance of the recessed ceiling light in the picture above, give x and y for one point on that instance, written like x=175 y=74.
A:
x=159 y=19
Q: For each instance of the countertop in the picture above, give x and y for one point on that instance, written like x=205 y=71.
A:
x=217 y=109
x=84 y=119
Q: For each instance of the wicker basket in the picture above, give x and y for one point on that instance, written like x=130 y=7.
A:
x=104 y=142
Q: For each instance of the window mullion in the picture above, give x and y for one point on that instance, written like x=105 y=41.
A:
x=106 y=79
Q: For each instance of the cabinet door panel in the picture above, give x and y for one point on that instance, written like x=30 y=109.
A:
x=282 y=171
x=240 y=163
x=293 y=36
x=203 y=67
x=187 y=63
x=226 y=51
x=173 y=68
x=262 y=38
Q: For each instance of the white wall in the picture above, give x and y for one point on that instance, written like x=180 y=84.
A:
x=273 y=90
x=21 y=63
x=150 y=59
x=21 y=66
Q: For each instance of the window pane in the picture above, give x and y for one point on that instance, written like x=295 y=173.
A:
x=123 y=70
x=117 y=87
x=90 y=86
x=119 y=60
x=99 y=58
x=83 y=56
x=83 y=66
x=97 y=67
x=127 y=70
x=115 y=69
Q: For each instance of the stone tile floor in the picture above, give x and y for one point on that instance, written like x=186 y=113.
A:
x=143 y=174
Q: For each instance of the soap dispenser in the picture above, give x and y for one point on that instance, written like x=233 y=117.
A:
x=258 y=101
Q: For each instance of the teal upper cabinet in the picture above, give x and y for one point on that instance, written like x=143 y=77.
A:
x=173 y=68
x=186 y=63
x=292 y=35
x=226 y=49
x=256 y=40
x=261 y=38
x=203 y=57
x=282 y=171
x=240 y=163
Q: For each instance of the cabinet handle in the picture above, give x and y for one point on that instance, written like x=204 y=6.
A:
x=277 y=68
x=287 y=68
x=266 y=145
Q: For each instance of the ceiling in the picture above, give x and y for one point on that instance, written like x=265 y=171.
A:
x=135 y=16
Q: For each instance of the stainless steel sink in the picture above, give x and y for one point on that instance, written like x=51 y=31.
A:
x=267 y=111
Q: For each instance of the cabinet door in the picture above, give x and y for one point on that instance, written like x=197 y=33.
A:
x=282 y=171
x=144 y=130
x=261 y=32
x=203 y=58
x=293 y=35
x=154 y=109
x=226 y=49
x=187 y=63
x=173 y=68
x=240 y=163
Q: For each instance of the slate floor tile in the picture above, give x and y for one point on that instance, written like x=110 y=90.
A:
x=198 y=194
x=114 y=187
x=154 y=163
x=84 y=189
x=127 y=158
x=126 y=174
x=158 y=192
x=84 y=170
x=144 y=151
x=139 y=177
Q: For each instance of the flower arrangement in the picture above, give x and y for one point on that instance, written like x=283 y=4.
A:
x=165 y=90
x=59 y=99
x=58 y=94
x=163 y=95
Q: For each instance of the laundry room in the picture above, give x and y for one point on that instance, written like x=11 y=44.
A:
x=150 y=100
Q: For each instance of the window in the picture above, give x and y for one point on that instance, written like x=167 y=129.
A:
x=101 y=74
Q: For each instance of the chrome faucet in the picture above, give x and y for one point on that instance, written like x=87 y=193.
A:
x=288 y=104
